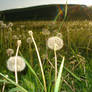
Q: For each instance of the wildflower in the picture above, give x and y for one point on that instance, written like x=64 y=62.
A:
x=10 y=52
x=3 y=25
x=59 y=35
x=19 y=43
x=29 y=40
x=20 y=63
x=55 y=42
x=15 y=37
x=45 y=32
x=90 y=23
x=1 y=22
x=30 y=32
x=22 y=26
x=10 y=29
x=10 y=24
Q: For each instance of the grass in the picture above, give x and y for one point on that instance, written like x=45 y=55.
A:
x=77 y=50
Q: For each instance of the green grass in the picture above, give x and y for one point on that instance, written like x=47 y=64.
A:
x=77 y=50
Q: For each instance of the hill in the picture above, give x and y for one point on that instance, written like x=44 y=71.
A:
x=47 y=12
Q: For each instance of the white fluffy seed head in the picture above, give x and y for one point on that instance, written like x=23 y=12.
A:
x=1 y=22
x=15 y=37
x=3 y=25
x=30 y=32
x=10 y=52
x=19 y=42
x=55 y=43
x=45 y=32
x=20 y=64
x=59 y=35
x=10 y=24
x=29 y=40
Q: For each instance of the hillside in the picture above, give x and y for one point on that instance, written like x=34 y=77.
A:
x=47 y=12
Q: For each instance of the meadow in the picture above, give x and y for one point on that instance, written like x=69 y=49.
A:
x=77 y=51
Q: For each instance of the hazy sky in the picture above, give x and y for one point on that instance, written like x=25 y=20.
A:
x=9 y=4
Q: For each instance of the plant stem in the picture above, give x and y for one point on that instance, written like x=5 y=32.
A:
x=3 y=87
x=57 y=84
x=55 y=63
x=43 y=76
x=14 y=83
x=16 y=75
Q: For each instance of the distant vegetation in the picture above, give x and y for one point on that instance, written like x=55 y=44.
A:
x=47 y=12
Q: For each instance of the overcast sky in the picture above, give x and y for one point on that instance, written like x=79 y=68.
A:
x=11 y=4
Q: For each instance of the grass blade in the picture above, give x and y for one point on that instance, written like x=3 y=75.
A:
x=79 y=79
x=59 y=76
x=14 y=83
x=30 y=68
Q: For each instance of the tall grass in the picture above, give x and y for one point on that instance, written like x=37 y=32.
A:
x=76 y=42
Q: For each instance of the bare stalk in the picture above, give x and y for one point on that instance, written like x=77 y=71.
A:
x=3 y=87
x=55 y=62
x=16 y=75
x=43 y=76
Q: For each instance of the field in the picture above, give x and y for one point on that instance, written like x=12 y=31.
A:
x=77 y=50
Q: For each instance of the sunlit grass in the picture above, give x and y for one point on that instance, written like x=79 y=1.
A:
x=77 y=50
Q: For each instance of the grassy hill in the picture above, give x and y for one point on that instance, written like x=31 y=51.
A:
x=47 y=12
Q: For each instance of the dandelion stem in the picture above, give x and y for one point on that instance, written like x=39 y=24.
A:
x=43 y=76
x=55 y=62
x=16 y=75
x=3 y=87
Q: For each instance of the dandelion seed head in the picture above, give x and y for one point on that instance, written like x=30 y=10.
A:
x=19 y=42
x=10 y=52
x=10 y=24
x=15 y=37
x=3 y=25
x=29 y=40
x=1 y=22
x=20 y=64
x=20 y=36
x=10 y=29
x=59 y=35
x=55 y=43
x=22 y=26
x=30 y=32
x=45 y=32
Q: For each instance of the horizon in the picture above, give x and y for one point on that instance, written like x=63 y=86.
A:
x=14 y=4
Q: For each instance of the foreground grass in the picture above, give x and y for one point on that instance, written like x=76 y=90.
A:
x=77 y=50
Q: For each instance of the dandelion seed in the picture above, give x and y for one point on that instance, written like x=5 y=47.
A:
x=30 y=32
x=55 y=43
x=59 y=35
x=1 y=22
x=90 y=23
x=10 y=29
x=22 y=26
x=10 y=52
x=20 y=64
x=3 y=25
x=15 y=37
x=52 y=41
x=19 y=43
x=29 y=40
x=10 y=24
x=45 y=32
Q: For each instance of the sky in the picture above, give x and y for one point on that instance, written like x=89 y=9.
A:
x=12 y=4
